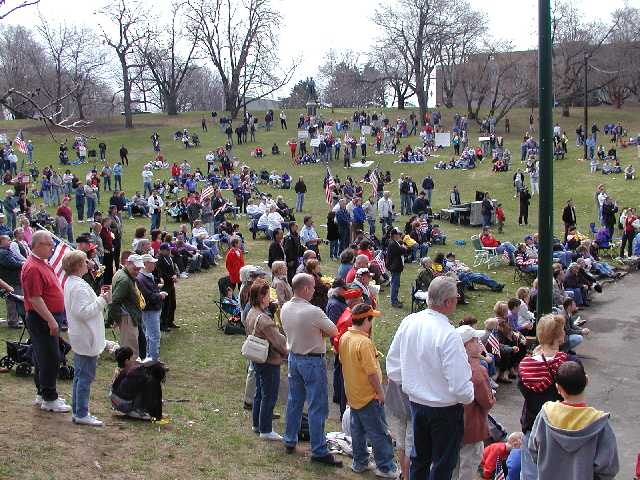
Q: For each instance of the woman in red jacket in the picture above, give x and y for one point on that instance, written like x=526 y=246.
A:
x=234 y=261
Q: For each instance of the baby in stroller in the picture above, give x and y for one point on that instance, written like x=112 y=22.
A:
x=136 y=390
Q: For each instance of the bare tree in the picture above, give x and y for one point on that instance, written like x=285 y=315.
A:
x=131 y=34
x=241 y=42
x=167 y=67
x=396 y=72
x=202 y=90
x=418 y=27
x=7 y=8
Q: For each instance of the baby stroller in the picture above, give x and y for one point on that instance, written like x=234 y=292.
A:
x=20 y=354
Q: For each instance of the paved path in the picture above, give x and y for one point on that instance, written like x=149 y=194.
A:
x=611 y=356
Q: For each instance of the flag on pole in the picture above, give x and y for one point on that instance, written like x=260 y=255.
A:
x=207 y=192
x=373 y=178
x=21 y=145
x=494 y=344
x=60 y=248
x=499 y=475
x=328 y=187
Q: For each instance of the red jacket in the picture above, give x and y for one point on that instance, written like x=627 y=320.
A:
x=234 y=262
x=489 y=241
x=344 y=322
x=490 y=458
x=500 y=214
x=175 y=170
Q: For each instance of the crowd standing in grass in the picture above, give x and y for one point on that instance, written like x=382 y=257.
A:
x=439 y=420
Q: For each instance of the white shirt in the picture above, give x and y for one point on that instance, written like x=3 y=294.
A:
x=84 y=316
x=263 y=221
x=199 y=231
x=385 y=207
x=147 y=175
x=427 y=357
x=16 y=250
x=274 y=220
x=155 y=203
x=602 y=196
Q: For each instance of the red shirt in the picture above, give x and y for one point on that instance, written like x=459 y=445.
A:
x=345 y=321
x=351 y=275
x=500 y=214
x=65 y=212
x=234 y=262
x=490 y=458
x=39 y=280
x=489 y=241
x=107 y=239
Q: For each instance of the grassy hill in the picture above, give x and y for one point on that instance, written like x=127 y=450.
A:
x=209 y=435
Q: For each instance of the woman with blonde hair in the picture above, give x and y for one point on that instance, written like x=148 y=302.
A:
x=86 y=332
x=280 y=283
x=537 y=381
x=512 y=345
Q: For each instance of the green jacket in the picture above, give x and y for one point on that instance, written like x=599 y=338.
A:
x=126 y=295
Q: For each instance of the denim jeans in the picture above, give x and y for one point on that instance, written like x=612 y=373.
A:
x=437 y=435
x=577 y=295
x=46 y=197
x=574 y=341
x=56 y=195
x=564 y=257
x=369 y=422
x=91 y=207
x=372 y=226
x=299 y=201
x=84 y=373
x=146 y=186
x=429 y=194
x=469 y=278
x=151 y=321
x=486 y=220
x=404 y=204
x=307 y=380
x=69 y=233
x=155 y=220
x=267 y=384
x=106 y=183
x=117 y=182
x=528 y=466
x=509 y=248
x=334 y=249
x=46 y=355
x=80 y=210
x=419 y=250
x=395 y=286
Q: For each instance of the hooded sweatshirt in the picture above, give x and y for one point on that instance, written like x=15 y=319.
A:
x=569 y=441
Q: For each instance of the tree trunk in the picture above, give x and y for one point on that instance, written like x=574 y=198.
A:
x=126 y=98
x=401 y=99
x=80 y=107
x=171 y=104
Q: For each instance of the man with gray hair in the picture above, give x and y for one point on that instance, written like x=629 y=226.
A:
x=306 y=327
x=427 y=357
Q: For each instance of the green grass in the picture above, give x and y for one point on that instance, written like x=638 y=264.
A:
x=209 y=435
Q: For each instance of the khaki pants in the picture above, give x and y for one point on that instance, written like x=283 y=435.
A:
x=129 y=335
x=470 y=458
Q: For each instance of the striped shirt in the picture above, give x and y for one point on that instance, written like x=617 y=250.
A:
x=537 y=374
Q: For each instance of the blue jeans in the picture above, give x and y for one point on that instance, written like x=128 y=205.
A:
x=469 y=278
x=117 y=182
x=80 y=210
x=267 y=384
x=369 y=422
x=155 y=220
x=404 y=204
x=299 y=201
x=422 y=248
x=429 y=193
x=486 y=220
x=84 y=372
x=437 y=436
x=577 y=295
x=69 y=233
x=91 y=207
x=509 y=248
x=307 y=380
x=334 y=249
x=528 y=466
x=46 y=197
x=151 y=322
x=146 y=186
x=395 y=287
x=106 y=182
x=56 y=195
x=372 y=226
x=574 y=341
x=564 y=257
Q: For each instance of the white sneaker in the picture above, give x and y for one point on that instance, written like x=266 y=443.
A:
x=147 y=359
x=88 y=420
x=370 y=466
x=58 y=406
x=271 y=436
x=184 y=275
x=389 y=474
x=38 y=401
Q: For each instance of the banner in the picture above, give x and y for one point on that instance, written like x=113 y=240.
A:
x=443 y=139
x=303 y=134
x=315 y=142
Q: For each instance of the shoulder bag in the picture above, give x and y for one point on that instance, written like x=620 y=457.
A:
x=254 y=348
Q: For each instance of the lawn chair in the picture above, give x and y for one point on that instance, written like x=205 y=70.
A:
x=228 y=315
x=420 y=302
x=606 y=245
x=484 y=255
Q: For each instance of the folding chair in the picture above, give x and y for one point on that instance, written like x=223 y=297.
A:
x=417 y=304
x=484 y=255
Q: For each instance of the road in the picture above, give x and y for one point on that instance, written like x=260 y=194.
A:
x=610 y=356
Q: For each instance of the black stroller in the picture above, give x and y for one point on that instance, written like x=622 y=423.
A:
x=20 y=353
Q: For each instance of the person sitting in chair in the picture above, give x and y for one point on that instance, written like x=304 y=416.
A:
x=629 y=172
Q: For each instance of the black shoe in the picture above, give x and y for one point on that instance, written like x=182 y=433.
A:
x=290 y=449
x=173 y=325
x=328 y=459
x=498 y=289
x=274 y=416
x=471 y=287
x=463 y=302
x=15 y=326
x=248 y=406
x=397 y=305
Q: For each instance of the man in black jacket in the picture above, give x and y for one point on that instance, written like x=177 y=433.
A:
x=10 y=269
x=168 y=275
x=124 y=159
x=569 y=217
x=153 y=299
x=293 y=250
x=276 y=249
x=428 y=185
x=300 y=189
x=487 y=210
x=395 y=264
x=421 y=204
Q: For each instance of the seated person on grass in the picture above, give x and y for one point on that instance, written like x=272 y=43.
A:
x=488 y=240
x=469 y=278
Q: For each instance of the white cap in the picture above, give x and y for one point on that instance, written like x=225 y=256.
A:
x=467 y=332
x=148 y=258
x=136 y=260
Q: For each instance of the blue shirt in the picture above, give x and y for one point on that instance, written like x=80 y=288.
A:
x=513 y=464
x=307 y=234
x=358 y=214
x=117 y=169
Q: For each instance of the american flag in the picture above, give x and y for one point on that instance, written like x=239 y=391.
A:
x=379 y=260
x=20 y=143
x=373 y=178
x=60 y=248
x=328 y=187
x=207 y=192
x=494 y=344
x=499 y=475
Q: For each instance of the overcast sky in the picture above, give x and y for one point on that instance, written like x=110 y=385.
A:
x=310 y=29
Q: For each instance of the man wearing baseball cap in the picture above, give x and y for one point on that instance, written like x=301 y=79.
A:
x=395 y=261
x=126 y=307
x=168 y=273
x=475 y=413
x=363 y=386
x=361 y=282
x=153 y=299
